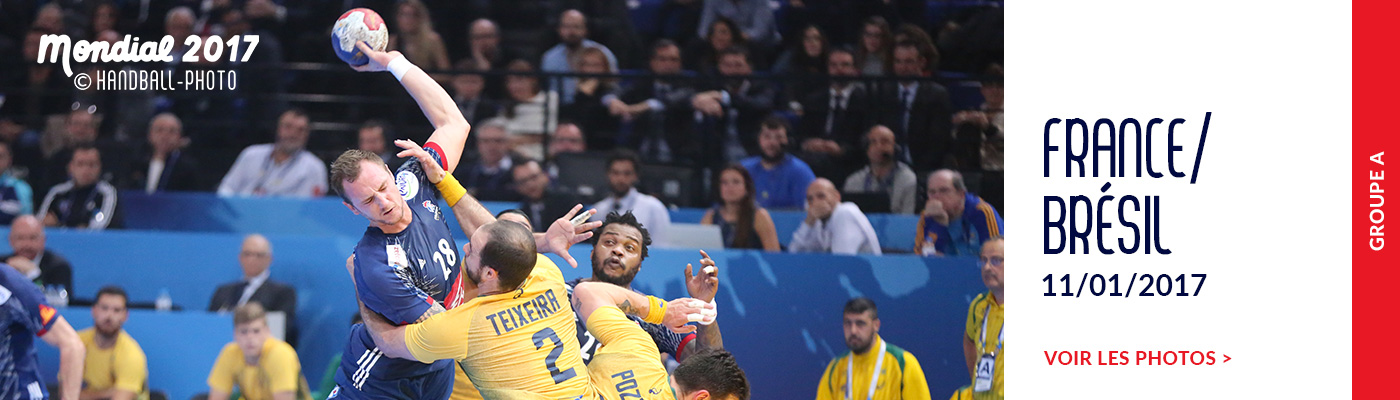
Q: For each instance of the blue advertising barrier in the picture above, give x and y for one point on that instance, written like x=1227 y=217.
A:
x=180 y=347
x=780 y=313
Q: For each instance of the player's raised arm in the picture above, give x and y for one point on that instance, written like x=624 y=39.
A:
x=70 y=359
x=590 y=296
x=450 y=136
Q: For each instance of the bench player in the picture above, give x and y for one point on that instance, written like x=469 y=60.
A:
x=406 y=262
x=628 y=364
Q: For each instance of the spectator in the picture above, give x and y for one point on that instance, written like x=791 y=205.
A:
x=86 y=201
x=104 y=18
x=954 y=222
x=374 y=137
x=484 y=40
x=416 y=39
x=469 y=92
x=255 y=258
x=884 y=173
x=910 y=33
x=26 y=156
x=588 y=108
x=568 y=138
x=834 y=119
x=979 y=141
x=115 y=367
x=704 y=55
x=80 y=128
x=741 y=221
x=622 y=177
x=659 y=109
x=262 y=367
x=530 y=112
x=735 y=107
x=33 y=260
x=538 y=202
x=16 y=197
x=918 y=111
x=855 y=375
x=49 y=90
x=984 y=362
x=832 y=226
x=803 y=63
x=780 y=179
x=283 y=168
x=875 y=48
x=488 y=176
x=753 y=17
x=179 y=23
x=573 y=34
x=162 y=165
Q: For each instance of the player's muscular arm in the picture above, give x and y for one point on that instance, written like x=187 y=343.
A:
x=469 y=212
x=437 y=105
x=590 y=296
x=71 y=355
x=388 y=337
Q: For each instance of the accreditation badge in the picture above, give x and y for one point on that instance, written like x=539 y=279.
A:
x=985 y=370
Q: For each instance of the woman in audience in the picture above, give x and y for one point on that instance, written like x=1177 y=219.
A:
x=724 y=33
x=530 y=111
x=588 y=109
x=743 y=223
x=804 y=62
x=416 y=38
x=876 y=47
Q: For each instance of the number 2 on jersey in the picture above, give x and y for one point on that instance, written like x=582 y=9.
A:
x=553 y=357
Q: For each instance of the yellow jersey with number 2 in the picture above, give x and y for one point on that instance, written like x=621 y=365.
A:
x=628 y=366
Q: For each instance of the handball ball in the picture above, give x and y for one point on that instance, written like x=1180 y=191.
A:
x=358 y=25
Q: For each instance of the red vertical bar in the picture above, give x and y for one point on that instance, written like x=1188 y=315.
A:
x=1375 y=273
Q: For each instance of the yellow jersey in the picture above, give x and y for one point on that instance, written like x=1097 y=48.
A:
x=628 y=365
x=984 y=307
x=899 y=375
x=518 y=344
x=278 y=370
x=123 y=366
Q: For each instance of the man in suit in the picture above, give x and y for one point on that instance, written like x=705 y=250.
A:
x=919 y=112
x=834 y=119
x=162 y=165
x=734 y=108
x=659 y=109
x=32 y=260
x=539 y=203
x=255 y=258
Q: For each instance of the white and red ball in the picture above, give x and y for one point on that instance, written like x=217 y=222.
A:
x=358 y=25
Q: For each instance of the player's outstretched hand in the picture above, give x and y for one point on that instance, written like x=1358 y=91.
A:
x=681 y=312
x=378 y=60
x=705 y=284
x=431 y=169
x=563 y=234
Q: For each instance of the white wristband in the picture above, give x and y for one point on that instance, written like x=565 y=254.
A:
x=714 y=317
x=400 y=66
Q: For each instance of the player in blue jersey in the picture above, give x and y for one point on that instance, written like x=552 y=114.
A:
x=23 y=315
x=406 y=264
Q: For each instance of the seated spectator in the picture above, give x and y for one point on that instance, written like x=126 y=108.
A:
x=954 y=222
x=255 y=258
x=162 y=165
x=484 y=40
x=884 y=174
x=622 y=178
x=468 y=91
x=743 y=224
x=803 y=63
x=86 y=201
x=834 y=119
x=659 y=109
x=587 y=107
x=280 y=169
x=16 y=198
x=780 y=180
x=80 y=128
x=567 y=139
x=374 y=136
x=918 y=111
x=913 y=34
x=488 y=175
x=734 y=106
x=35 y=261
x=529 y=112
x=875 y=45
x=538 y=201
x=753 y=17
x=573 y=36
x=987 y=314
x=832 y=226
x=261 y=367
x=115 y=366
x=704 y=55
x=414 y=36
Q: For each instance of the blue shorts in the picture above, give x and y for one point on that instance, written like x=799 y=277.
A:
x=365 y=373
